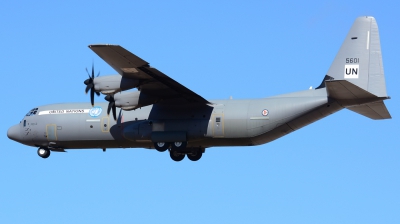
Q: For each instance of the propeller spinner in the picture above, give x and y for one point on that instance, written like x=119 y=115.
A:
x=90 y=85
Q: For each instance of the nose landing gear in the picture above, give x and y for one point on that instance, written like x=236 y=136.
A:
x=43 y=152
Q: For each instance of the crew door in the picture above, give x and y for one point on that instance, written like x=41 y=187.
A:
x=51 y=132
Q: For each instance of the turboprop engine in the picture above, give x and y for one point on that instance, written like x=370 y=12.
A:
x=128 y=101
x=107 y=84
x=113 y=84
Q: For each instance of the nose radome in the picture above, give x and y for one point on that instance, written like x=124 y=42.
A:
x=14 y=133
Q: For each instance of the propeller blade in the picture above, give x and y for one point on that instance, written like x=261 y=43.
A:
x=92 y=96
x=111 y=105
x=108 y=98
x=114 y=110
x=109 y=108
x=92 y=70
x=88 y=73
x=88 y=87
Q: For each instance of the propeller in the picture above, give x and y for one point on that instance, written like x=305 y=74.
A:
x=111 y=104
x=90 y=85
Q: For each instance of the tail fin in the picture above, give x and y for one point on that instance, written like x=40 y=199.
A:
x=356 y=78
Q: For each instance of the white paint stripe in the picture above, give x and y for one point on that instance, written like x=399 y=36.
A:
x=93 y=120
x=368 y=40
x=65 y=111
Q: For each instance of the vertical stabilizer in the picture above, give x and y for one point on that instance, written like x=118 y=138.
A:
x=359 y=60
x=356 y=79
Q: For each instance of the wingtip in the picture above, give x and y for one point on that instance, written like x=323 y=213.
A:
x=101 y=45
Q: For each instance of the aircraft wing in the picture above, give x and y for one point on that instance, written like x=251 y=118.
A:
x=152 y=81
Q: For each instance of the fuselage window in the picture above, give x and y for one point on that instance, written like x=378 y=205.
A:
x=218 y=119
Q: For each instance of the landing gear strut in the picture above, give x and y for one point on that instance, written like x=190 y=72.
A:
x=43 y=152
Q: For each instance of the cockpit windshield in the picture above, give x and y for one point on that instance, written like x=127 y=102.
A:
x=32 y=112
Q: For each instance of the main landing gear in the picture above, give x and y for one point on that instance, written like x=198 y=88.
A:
x=178 y=150
x=43 y=152
x=176 y=155
x=195 y=154
x=161 y=146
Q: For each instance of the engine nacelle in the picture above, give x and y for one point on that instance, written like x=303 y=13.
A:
x=113 y=84
x=133 y=100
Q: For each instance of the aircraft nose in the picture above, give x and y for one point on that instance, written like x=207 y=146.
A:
x=14 y=133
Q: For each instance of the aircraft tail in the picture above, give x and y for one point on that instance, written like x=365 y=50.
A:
x=356 y=78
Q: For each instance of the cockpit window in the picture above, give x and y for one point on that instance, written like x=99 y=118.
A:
x=32 y=112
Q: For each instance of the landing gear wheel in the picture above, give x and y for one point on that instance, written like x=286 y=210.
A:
x=178 y=145
x=195 y=155
x=43 y=152
x=161 y=146
x=176 y=155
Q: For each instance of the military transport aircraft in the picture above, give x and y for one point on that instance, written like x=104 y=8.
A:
x=174 y=118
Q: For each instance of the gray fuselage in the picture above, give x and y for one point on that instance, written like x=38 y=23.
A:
x=224 y=123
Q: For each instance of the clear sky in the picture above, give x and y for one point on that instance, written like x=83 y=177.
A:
x=342 y=169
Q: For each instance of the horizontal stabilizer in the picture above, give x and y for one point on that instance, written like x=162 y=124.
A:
x=344 y=90
x=356 y=99
x=348 y=94
x=376 y=110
